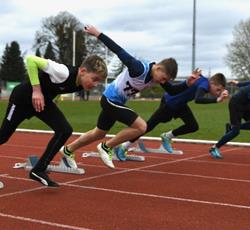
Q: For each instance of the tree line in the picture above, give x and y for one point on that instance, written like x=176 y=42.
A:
x=55 y=38
x=53 y=41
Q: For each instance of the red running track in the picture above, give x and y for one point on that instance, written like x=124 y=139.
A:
x=190 y=191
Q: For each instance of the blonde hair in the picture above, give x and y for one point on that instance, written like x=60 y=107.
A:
x=95 y=64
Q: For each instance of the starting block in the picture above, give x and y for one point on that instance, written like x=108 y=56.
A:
x=114 y=157
x=62 y=167
x=142 y=148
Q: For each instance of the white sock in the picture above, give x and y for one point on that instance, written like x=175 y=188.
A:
x=170 y=134
x=126 y=144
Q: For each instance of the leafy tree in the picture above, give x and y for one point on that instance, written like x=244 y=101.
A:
x=49 y=53
x=12 y=64
x=238 y=57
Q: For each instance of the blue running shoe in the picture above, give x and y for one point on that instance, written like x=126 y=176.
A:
x=215 y=153
x=121 y=153
x=142 y=146
x=166 y=143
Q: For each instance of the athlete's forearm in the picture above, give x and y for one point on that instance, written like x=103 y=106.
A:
x=33 y=64
x=243 y=83
x=174 y=89
x=200 y=97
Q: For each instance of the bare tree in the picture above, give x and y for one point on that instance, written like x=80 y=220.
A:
x=238 y=57
x=58 y=31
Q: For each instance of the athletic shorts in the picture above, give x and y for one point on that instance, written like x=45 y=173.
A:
x=112 y=112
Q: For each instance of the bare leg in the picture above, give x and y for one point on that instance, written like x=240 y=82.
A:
x=136 y=129
x=87 y=138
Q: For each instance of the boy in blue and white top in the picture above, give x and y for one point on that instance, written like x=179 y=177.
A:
x=137 y=76
x=126 y=86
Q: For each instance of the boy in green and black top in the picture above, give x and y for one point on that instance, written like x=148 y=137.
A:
x=47 y=79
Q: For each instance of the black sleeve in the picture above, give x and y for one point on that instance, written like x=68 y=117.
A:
x=135 y=67
x=243 y=83
x=173 y=89
x=200 y=97
x=244 y=108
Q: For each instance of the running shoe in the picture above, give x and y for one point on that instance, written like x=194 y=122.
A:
x=121 y=152
x=215 y=153
x=68 y=157
x=43 y=178
x=166 y=143
x=106 y=154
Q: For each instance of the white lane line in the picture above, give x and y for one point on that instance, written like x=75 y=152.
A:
x=219 y=162
x=53 y=224
x=136 y=169
x=21 y=192
x=161 y=196
x=196 y=175
x=132 y=193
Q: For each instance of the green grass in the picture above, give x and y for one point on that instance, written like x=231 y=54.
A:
x=83 y=115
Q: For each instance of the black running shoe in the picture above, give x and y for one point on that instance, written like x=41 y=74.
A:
x=43 y=178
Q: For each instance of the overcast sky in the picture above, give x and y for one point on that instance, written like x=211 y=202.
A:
x=149 y=29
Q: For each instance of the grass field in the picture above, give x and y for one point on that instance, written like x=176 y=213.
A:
x=82 y=115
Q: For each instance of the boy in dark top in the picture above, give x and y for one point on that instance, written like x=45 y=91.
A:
x=47 y=79
x=176 y=106
x=214 y=86
x=239 y=108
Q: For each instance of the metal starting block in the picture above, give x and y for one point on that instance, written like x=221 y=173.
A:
x=114 y=157
x=62 y=167
x=142 y=148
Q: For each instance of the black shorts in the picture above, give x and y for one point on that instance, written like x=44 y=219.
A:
x=112 y=112
x=165 y=113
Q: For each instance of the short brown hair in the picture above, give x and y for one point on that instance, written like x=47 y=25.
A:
x=219 y=79
x=170 y=66
x=95 y=64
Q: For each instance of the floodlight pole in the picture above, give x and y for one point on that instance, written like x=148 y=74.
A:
x=74 y=56
x=194 y=34
x=74 y=49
